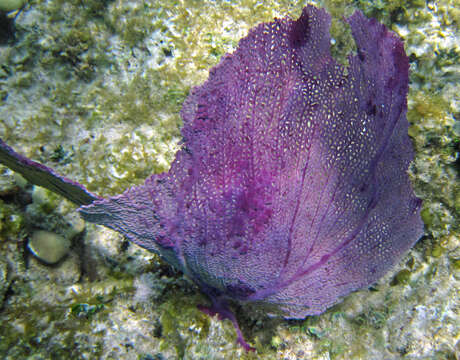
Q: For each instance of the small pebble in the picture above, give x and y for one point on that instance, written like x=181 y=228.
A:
x=48 y=247
x=11 y=5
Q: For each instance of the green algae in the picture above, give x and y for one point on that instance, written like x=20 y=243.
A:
x=402 y=277
x=456 y=264
x=434 y=137
x=11 y=221
x=26 y=324
x=86 y=310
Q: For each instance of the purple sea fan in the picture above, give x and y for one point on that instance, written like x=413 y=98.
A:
x=290 y=188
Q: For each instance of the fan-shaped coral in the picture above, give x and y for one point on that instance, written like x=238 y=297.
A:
x=290 y=188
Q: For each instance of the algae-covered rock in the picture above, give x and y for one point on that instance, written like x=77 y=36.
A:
x=67 y=272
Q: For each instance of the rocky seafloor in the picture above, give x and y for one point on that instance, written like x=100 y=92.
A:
x=93 y=89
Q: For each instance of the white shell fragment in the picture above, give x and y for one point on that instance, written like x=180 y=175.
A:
x=48 y=246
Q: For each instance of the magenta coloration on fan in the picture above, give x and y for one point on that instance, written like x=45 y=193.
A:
x=290 y=188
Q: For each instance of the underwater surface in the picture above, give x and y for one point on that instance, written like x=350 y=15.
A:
x=93 y=89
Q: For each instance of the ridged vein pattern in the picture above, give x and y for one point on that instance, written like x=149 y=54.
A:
x=290 y=188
